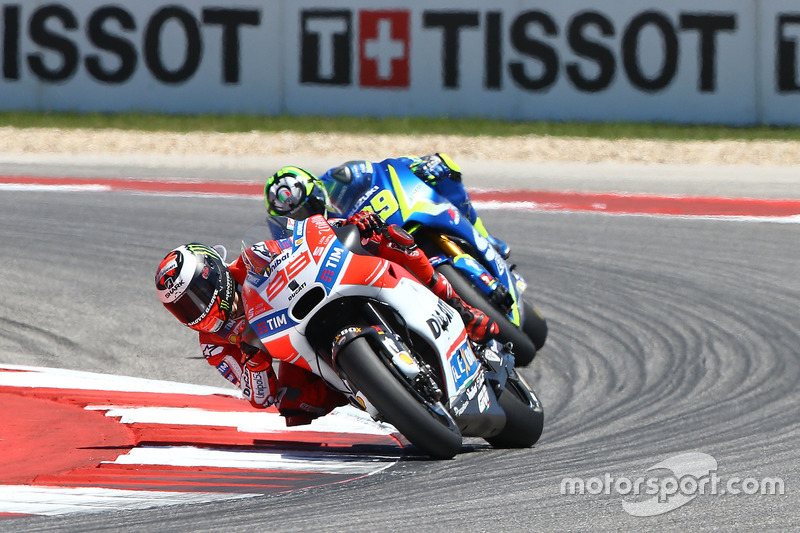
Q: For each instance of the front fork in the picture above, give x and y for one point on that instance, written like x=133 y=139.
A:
x=395 y=354
x=498 y=294
x=498 y=364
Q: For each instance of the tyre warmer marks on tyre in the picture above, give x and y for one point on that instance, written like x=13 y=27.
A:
x=77 y=442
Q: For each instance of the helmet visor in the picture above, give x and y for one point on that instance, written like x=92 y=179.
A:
x=199 y=298
x=312 y=206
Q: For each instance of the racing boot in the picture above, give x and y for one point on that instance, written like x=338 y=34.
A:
x=502 y=248
x=480 y=327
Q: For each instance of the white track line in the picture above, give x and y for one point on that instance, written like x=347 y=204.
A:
x=284 y=460
x=57 y=378
x=342 y=420
x=42 y=500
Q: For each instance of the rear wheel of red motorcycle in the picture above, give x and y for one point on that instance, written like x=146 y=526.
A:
x=534 y=325
x=524 y=416
x=524 y=347
x=426 y=425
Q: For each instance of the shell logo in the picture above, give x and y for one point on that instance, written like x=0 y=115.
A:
x=361 y=401
x=405 y=358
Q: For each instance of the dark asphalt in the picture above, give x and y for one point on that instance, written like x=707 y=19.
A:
x=666 y=336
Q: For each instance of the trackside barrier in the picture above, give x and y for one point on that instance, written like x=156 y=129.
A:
x=718 y=61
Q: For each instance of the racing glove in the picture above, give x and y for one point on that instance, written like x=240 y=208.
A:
x=367 y=222
x=433 y=168
x=259 y=384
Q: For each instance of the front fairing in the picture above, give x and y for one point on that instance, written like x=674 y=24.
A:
x=310 y=261
x=271 y=295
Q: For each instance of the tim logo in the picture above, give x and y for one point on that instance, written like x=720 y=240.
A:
x=381 y=38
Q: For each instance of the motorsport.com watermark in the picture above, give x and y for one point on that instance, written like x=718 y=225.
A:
x=693 y=474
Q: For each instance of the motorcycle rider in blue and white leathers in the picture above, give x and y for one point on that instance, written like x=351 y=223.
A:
x=347 y=182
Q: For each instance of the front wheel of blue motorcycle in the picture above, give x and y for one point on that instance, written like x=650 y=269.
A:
x=524 y=347
x=427 y=425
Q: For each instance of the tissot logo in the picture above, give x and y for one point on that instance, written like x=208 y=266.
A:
x=788 y=56
x=325 y=47
x=383 y=48
x=383 y=40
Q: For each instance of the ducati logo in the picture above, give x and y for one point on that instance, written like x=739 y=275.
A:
x=441 y=319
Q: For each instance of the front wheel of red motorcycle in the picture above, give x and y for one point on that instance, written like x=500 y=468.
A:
x=427 y=425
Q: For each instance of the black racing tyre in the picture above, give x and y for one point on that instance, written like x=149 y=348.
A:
x=524 y=348
x=534 y=325
x=428 y=426
x=524 y=417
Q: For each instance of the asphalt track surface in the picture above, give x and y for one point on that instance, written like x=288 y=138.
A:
x=668 y=336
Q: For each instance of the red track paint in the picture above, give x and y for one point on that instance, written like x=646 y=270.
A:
x=643 y=204
x=613 y=203
x=185 y=479
x=48 y=436
x=50 y=439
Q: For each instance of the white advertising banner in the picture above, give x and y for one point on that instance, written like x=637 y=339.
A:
x=718 y=61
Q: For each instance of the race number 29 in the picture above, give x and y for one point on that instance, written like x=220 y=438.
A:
x=384 y=204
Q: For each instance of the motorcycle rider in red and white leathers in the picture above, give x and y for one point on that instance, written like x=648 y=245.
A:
x=203 y=293
x=195 y=285
x=296 y=193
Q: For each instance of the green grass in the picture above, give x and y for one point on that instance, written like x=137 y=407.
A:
x=413 y=126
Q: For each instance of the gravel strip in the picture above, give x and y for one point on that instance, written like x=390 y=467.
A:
x=530 y=148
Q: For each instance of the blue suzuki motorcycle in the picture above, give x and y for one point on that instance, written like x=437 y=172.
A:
x=477 y=272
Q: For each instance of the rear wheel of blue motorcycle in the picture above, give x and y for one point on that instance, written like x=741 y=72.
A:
x=428 y=426
x=524 y=348
x=524 y=416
